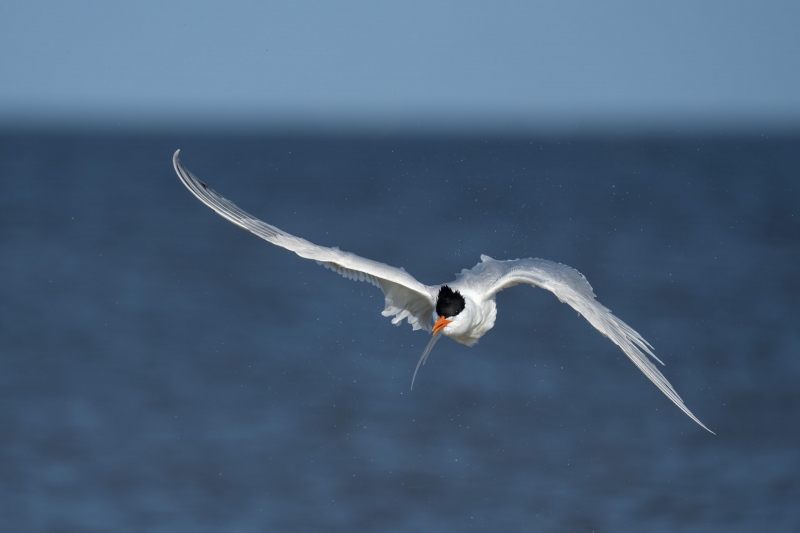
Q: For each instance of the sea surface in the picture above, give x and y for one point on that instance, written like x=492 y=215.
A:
x=163 y=370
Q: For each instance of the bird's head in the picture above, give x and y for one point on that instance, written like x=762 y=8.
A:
x=454 y=319
x=449 y=306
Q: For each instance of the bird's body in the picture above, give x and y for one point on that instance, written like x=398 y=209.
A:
x=463 y=309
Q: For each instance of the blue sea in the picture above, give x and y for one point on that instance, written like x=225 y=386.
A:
x=163 y=370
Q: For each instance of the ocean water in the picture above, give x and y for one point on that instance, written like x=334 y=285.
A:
x=163 y=370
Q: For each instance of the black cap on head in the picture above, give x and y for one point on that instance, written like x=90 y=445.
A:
x=449 y=303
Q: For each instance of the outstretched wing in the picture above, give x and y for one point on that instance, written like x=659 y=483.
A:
x=571 y=287
x=405 y=296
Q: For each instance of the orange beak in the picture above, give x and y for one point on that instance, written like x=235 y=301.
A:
x=441 y=323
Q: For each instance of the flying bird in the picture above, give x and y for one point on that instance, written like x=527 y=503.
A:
x=463 y=309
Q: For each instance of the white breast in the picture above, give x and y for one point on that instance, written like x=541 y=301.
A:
x=477 y=319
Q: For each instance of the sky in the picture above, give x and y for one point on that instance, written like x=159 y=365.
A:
x=395 y=65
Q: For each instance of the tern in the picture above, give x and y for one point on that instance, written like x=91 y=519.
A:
x=464 y=309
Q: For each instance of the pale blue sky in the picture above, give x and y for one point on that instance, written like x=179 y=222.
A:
x=401 y=64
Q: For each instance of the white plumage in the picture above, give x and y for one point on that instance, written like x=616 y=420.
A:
x=474 y=290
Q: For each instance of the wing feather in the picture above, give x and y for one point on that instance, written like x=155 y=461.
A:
x=405 y=297
x=572 y=288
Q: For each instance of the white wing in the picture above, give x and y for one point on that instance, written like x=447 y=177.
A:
x=571 y=287
x=405 y=296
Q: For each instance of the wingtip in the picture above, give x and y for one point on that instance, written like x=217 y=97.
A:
x=175 y=155
x=691 y=415
x=704 y=427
